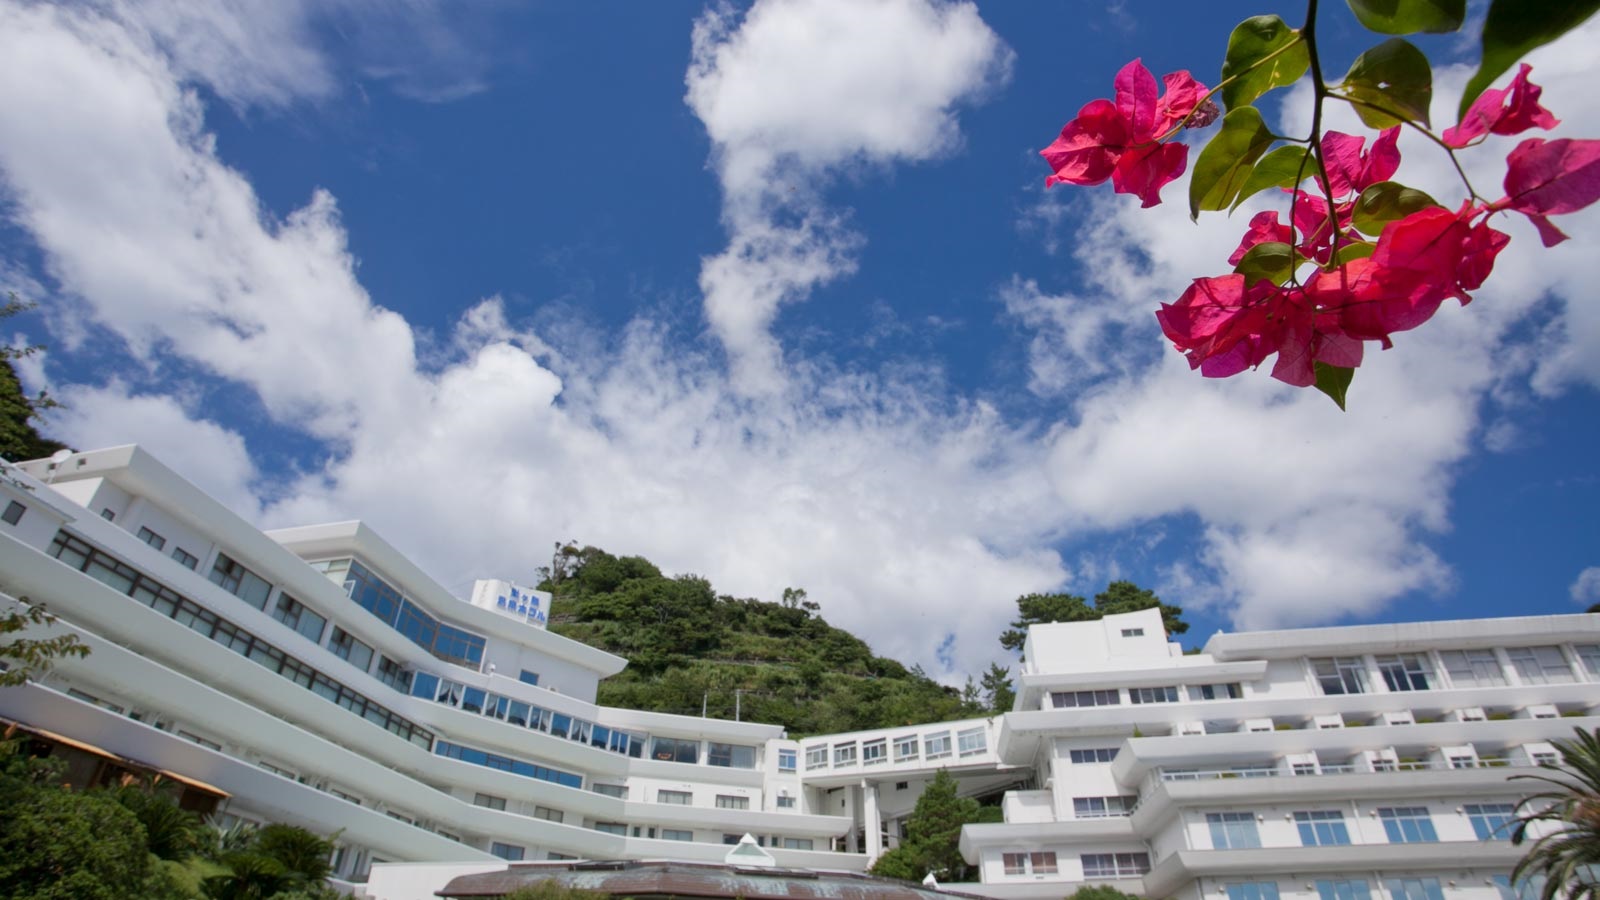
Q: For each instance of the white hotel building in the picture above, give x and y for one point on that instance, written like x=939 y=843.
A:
x=316 y=676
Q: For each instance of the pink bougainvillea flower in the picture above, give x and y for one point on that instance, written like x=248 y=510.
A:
x=1493 y=113
x=1121 y=139
x=1264 y=228
x=1351 y=171
x=1547 y=178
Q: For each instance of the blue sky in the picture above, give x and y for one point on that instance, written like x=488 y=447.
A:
x=772 y=293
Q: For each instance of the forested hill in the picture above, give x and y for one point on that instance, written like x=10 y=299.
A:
x=780 y=662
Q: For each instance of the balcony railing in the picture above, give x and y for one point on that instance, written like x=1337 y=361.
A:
x=1165 y=774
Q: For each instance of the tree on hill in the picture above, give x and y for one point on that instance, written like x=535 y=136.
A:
x=1118 y=597
x=933 y=835
x=19 y=439
x=997 y=690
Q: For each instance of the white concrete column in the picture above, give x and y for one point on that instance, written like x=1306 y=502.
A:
x=871 y=822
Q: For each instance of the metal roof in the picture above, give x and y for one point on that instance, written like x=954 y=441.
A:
x=649 y=878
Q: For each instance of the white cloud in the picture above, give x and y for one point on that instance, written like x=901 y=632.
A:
x=794 y=92
x=1586 y=587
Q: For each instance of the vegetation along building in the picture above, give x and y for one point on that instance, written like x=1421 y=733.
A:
x=318 y=677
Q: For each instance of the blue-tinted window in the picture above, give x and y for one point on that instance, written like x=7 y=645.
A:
x=472 y=699
x=1414 y=888
x=1343 y=889
x=786 y=760
x=529 y=677
x=1408 y=825
x=1253 y=890
x=507 y=764
x=1322 y=828
x=1491 y=821
x=425 y=685
x=447 y=642
x=1233 y=831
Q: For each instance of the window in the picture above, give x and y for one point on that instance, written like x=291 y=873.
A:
x=1153 y=695
x=817 y=757
x=611 y=828
x=1066 y=699
x=145 y=534
x=1403 y=672
x=185 y=558
x=1590 y=655
x=905 y=747
x=731 y=756
x=527 y=677
x=844 y=754
x=1322 y=828
x=109 y=514
x=1529 y=888
x=1543 y=759
x=1252 y=890
x=1094 y=755
x=676 y=834
x=488 y=801
x=676 y=798
x=936 y=745
x=506 y=764
x=1540 y=665
x=618 y=791
x=1491 y=821
x=393 y=674
x=1133 y=632
x=971 y=741
x=294 y=614
x=729 y=801
x=874 y=752
x=1343 y=889
x=1115 y=865
x=509 y=852
x=786 y=760
x=376 y=596
x=347 y=648
x=1341 y=675
x=731 y=838
x=1473 y=668
x=674 y=750
x=548 y=814
x=1231 y=691
x=1036 y=863
x=1407 y=824
x=797 y=843
x=233 y=577
x=1103 y=807
x=1414 y=888
x=1233 y=830
x=785 y=801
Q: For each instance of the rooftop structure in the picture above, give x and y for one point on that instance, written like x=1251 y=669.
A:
x=319 y=677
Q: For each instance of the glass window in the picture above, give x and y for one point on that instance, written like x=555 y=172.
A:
x=730 y=756
x=1529 y=888
x=1413 y=888
x=529 y=678
x=611 y=790
x=1093 y=755
x=393 y=674
x=1115 y=865
x=785 y=801
x=1103 y=807
x=1491 y=821
x=185 y=558
x=548 y=814
x=233 y=577
x=936 y=745
x=1403 y=672
x=729 y=801
x=844 y=754
x=1230 y=691
x=145 y=534
x=1252 y=890
x=1153 y=695
x=817 y=757
x=675 y=798
x=1322 y=828
x=1343 y=889
x=488 y=801
x=971 y=741
x=1407 y=824
x=1540 y=665
x=786 y=760
x=294 y=614
x=676 y=834
x=1590 y=655
x=1133 y=632
x=1035 y=863
x=905 y=747
x=1473 y=668
x=797 y=843
x=1073 y=699
x=1341 y=675
x=674 y=750
x=14 y=511
x=1233 y=830
x=874 y=752
x=425 y=685
x=509 y=852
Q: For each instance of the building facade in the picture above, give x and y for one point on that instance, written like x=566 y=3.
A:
x=317 y=676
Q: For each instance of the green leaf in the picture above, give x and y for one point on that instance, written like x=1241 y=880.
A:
x=1395 y=77
x=1410 y=16
x=1272 y=260
x=1333 y=380
x=1227 y=160
x=1349 y=250
x=1252 y=41
x=1283 y=167
x=1385 y=202
x=1513 y=28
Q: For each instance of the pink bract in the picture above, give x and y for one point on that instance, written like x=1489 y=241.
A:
x=1492 y=113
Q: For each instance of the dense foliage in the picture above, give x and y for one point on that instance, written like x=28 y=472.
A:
x=19 y=439
x=689 y=649
x=933 y=835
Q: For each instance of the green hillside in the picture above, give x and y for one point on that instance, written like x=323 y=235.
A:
x=689 y=648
